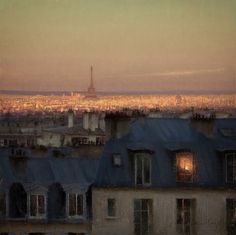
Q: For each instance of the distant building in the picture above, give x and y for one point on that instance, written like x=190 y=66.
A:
x=91 y=133
x=91 y=93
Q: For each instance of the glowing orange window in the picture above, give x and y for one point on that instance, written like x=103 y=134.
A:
x=184 y=167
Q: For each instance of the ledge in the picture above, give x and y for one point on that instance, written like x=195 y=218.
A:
x=111 y=217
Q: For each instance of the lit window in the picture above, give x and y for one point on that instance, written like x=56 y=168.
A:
x=116 y=158
x=185 y=215
x=230 y=167
x=142 y=168
x=37 y=205
x=111 y=207
x=75 y=204
x=142 y=216
x=231 y=216
x=184 y=167
x=2 y=205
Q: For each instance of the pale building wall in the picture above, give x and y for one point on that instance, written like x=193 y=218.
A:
x=86 y=121
x=94 y=121
x=210 y=210
x=49 y=139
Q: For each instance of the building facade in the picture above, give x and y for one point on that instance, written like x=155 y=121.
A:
x=168 y=178
x=157 y=176
x=47 y=192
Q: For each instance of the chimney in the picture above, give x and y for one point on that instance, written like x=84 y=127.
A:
x=203 y=124
x=90 y=121
x=86 y=120
x=70 y=118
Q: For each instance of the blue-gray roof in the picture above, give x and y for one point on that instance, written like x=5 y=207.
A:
x=163 y=137
x=78 y=172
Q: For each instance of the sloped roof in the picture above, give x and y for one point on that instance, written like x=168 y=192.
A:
x=224 y=137
x=162 y=137
x=45 y=170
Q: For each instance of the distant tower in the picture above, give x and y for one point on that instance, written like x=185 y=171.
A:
x=91 y=93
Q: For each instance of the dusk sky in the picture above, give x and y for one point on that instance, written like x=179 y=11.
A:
x=139 y=45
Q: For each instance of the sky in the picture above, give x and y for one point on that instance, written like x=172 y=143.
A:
x=133 y=45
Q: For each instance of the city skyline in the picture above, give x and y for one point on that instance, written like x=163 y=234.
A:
x=133 y=45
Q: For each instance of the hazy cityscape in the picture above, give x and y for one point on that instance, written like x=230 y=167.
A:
x=23 y=104
x=117 y=117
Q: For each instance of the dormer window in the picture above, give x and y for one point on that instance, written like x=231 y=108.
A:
x=184 y=167
x=116 y=159
x=76 y=205
x=230 y=167
x=37 y=205
x=142 y=168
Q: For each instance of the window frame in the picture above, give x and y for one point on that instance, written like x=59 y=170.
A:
x=190 y=210
x=114 y=208
x=229 y=222
x=233 y=167
x=38 y=215
x=76 y=205
x=140 y=211
x=178 y=155
x=142 y=158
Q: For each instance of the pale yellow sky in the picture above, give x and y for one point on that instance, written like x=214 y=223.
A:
x=133 y=45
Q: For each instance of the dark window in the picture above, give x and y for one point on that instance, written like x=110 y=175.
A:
x=2 y=205
x=76 y=233
x=142 y=168
x=142 y=216
x=36 y=233
x=56 y=202
x=37 y=205
x=184 y=167
x=72 y=204
x=17 y=201
x=231 y=216
x=111 y=207
x=76 y=204
x=185 y=216
x=116 y=159
x=230 y=167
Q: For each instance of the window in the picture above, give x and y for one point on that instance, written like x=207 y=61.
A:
x=37 y=205
x=116 y=159
x=142 y=216
x=36 y=233
x=231 y=216
x=76 y=233
x=17 y=201
x=2 y=205
x=185 y=216
x=184 y=167
x=111 y=207
x=75 y=204
x=230 y=167
x=142 y=168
